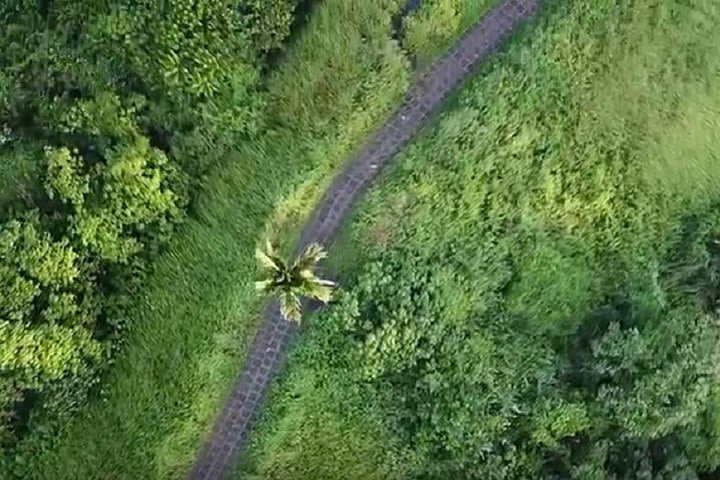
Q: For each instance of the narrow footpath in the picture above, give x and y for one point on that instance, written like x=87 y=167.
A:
x=267 y=353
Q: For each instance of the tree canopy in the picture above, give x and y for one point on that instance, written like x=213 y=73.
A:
x=109 y=111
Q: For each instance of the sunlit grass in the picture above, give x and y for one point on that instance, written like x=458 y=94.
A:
x=569 y=160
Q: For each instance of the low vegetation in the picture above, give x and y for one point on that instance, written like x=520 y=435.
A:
x=183 y=325
x=432 y=29
x=532 y=291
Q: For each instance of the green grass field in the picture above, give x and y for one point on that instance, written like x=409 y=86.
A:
x=193 y=317
x=562 y=211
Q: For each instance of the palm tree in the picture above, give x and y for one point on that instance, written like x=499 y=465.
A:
x=290 y=282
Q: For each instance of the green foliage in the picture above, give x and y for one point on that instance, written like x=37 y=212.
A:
x=38 y=269
x=702 y=440
x=454 y=371
x=105 y=208
x=557 y=419
x=192 y=59
x=521 y=299
x=266 y=23
x=129 y=101
x=293 y=281
x=120 y=203
x=431 y=30
x=195 y=312
x=19 y=172
x=657 y=381
x=473 y=395
x=184 y=49
x=555 y=285
x=47 y=315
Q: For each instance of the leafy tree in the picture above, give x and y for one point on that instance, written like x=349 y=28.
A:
x=291 y=281
x=481 y=394
x=129 y=100
x=48 y=310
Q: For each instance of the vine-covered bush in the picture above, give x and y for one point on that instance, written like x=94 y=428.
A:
x=107 y=110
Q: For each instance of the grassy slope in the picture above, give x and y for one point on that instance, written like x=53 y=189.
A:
x=196 y=313
x=574 y=152
x=433 y=28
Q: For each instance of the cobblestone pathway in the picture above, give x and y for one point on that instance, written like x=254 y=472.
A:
x=267 y=352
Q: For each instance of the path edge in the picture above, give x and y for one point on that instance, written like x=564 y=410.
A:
x=267 y=353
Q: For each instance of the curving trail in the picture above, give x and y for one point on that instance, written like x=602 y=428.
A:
x=266 y=355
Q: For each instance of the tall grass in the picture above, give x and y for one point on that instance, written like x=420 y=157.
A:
x=664 y=87
x=437 y=23
x=192 y=319
x=570 y=160
x=18 y=170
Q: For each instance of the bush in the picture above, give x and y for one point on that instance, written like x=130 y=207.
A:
x=475 y=395
x=47 y=318
x=128 y=101
x=431 y=29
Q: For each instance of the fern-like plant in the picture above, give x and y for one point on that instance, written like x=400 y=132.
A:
x=292 y=281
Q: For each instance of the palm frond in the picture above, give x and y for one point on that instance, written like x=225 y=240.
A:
x=317 y=291
x=290 y=306
x=268 y=262
x=310 y=257
x=269 y=248
x=307 y=274
x=322 y=293
x=324 y=282
x=263 y=285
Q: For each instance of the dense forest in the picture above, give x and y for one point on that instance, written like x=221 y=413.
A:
x=109 y=112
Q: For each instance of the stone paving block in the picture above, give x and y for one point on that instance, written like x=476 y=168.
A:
x=267 y=352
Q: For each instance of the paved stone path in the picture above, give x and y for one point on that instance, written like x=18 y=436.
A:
x=267 y=352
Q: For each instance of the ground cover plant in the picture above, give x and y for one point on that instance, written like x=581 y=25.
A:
x=186 y=325
x=532 y=291
x=436 y=24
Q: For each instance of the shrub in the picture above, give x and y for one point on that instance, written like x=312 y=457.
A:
x=660 y=380
x=128 y=101
x=430 y=30
x=480 y=396
x=197 y=61
x=47 y=317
